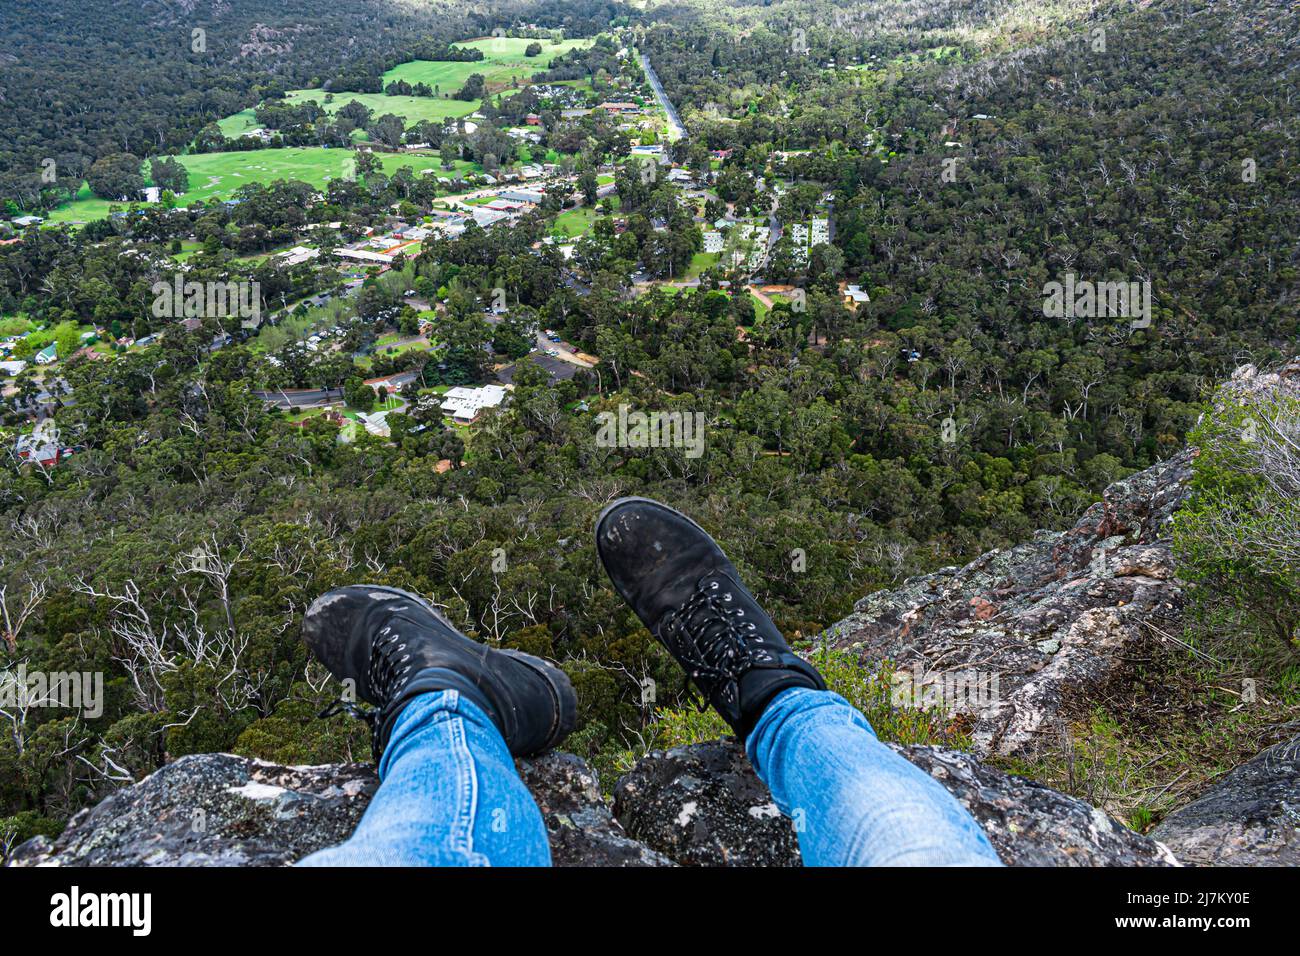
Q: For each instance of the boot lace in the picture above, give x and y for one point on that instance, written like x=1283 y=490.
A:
x=709 y=635
x=389 y=664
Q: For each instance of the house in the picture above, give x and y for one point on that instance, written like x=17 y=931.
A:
x=364 y=255
x=534 y=196
x=42 y=447
x=48 y=354
x=13 y=368
x=620 y=109
x=532 y=119
x=487 y=218
x=713 y=242
x=463 y=405
x=376 y=423
x=298 y=255
x=22 y=222
x=855 y=295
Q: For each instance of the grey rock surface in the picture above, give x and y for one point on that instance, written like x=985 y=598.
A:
x=223 y=810
x=1250 y=817
x=213 y=810
x=704 y=805
x=582 y=829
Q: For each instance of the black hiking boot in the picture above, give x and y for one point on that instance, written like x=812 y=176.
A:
x=394 y=645
x=683 y=588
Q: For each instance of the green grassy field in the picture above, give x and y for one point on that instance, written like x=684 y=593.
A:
x=503 y=63
x=218 y=175
x=700 y=262
x=574 y=222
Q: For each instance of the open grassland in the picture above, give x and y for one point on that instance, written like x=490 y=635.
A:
x=219 y=175
x=503 y=64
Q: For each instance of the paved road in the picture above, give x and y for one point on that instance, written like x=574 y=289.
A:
x=301 y=397
x=674 y=121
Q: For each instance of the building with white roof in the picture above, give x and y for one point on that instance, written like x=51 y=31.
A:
x=463 y=404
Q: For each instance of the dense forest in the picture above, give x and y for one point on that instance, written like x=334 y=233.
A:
x=178 y=547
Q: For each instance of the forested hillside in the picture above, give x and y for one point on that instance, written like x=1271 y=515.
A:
x=969 y=154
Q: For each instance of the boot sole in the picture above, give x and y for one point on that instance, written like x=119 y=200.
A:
x=561 y=688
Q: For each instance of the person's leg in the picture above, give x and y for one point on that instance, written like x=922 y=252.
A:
x=854 y=801
x=449 y=796
x=448 y=715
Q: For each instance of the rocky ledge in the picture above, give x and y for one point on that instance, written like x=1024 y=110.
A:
x=1016 y=636
x=698 y=805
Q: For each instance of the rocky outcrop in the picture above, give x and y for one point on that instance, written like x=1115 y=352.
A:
x=213 y=810
x=583 y=832
x=699 y=805
x=1017 y=636
x=1249 y=818
x=703 y=805
x=223 y=810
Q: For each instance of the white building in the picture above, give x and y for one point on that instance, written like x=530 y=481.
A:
x=364 y=255
x=463 y=404
x=523 y=195
x=298 y=254
x=486 y=218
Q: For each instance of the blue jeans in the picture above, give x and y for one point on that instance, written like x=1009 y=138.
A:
x=450 y=795
x=855 y=802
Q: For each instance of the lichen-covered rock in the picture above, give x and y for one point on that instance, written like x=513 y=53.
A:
x=1030 y=824
x=700 y=805
x=223 y=810
x=1251 y=817
x=582 y=830
x=1025 y=632
x=213 y=810
x=704 y=805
